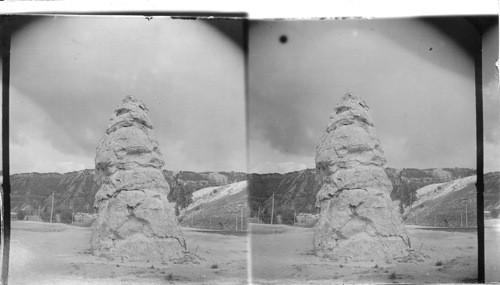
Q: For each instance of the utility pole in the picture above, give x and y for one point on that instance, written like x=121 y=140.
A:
x=52 y=208
x=294 y=217
x=466 y=222
x=461 y=221
x=272 y=210
x=242 y=228
x=258 y=216
x=236 y=224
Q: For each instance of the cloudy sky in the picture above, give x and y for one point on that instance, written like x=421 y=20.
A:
x=416 y=75
x=491 y=101
x=68 y=74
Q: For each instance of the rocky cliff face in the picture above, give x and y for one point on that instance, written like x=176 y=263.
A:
x=357 y=220
x=135 y=220
x=297 y=190
x=32 y=192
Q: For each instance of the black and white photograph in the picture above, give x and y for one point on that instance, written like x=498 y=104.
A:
x=362 y=138
x=127 y=150
x=207 y=147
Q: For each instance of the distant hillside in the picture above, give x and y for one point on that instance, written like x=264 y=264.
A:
x=218 y=208
x=32 y=192
x=296 y=191
x=444 y=204
x=261 y=187
x=492 y=191
x=406 y=181
x=193 y=181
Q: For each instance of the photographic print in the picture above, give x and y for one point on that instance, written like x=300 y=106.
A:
x=127 y=150
x=187 y=149
x=362 y=145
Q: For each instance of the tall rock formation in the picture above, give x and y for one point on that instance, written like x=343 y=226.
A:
x=358 y=221
x=135 y=220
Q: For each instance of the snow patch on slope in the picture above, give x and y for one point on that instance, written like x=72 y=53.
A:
x=210 y=194
x=433 y=191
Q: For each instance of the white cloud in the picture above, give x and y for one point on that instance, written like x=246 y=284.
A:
x=30 y=150
x=491 y=157
x=264 y=159
x=395 y=150
x=278 y=167
x=39 y=156
x=74 y=85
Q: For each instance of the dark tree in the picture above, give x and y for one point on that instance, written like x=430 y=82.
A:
x=183 y=196
x=21 y=214
x=65 y=214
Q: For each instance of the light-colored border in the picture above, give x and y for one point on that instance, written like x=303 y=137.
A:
x=259 y=9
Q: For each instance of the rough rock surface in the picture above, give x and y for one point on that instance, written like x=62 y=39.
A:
x=358 y=220
x=135 y=220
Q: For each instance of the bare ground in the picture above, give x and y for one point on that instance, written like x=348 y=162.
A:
x=43 y=253
x=282 y=254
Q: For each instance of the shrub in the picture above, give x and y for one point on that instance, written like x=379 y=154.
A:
x=287 y=215
x=45 y=214
x=495 y=213
x=392 y=276
x=170 y=277
x=21 y=214
x=66 y=215
x=183 y=196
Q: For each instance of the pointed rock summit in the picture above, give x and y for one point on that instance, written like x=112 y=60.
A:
x=358 y=220
x=135 y=220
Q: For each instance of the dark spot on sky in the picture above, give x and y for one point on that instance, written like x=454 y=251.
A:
x=430 y=49
x=283 y=39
